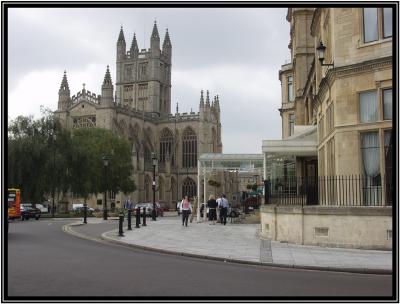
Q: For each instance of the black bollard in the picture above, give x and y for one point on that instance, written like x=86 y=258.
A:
x=129 y=219
x=144 y=216
x=138 y=217
x=84 y=214
x=121 y=220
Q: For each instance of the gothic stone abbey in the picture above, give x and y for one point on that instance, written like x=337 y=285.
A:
x=140 y=111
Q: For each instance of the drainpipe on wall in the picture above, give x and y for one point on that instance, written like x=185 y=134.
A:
x=302 y=225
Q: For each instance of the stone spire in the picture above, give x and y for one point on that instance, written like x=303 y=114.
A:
x=64 y=96
x=107 y=90
x=167 y=41
x=208 y=99
x=155 y=41
x=121 y=37
x=121 y=45
x=134 y=46
x=64 y=84
x=107 y=78
x=154 y=33
x=216 y=104
x=201 y=99
x=177 y=108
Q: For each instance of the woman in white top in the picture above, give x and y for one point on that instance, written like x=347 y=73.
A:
x=186 y=209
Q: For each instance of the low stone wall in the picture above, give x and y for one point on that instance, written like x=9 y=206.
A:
x=332 y=226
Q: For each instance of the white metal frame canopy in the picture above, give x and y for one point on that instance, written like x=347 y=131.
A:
x=211 y=162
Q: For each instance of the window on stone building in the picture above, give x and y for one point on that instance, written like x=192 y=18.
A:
x=143 y=70
x=387 y=104
x=387 y=22
x=388 y=166
x=189 y=188
x=368 y=107
x=166 y=142
x=290 y=88
x=377 y=23
x=370 y=153
x=189 y=149
x=291 y=124
x=370 y=24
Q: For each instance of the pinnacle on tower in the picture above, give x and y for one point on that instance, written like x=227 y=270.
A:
x=154 y=34
x=121 y=37
x=208 y=99
x=64 y=93
x=64 y=83
x=167 y=41
x=107 y=78
x=201 y=99
x=134 y=45
x=177 y=108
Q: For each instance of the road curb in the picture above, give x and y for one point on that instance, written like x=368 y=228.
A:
x=104 y=236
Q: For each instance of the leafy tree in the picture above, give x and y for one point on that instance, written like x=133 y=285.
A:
x=89 y=147
x=214 y=184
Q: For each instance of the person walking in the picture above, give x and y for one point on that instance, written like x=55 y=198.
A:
x=223 y=209
x=128 y=204
x=186 y=210
x=212 y=206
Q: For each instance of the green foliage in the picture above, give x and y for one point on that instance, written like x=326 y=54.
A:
x=249 y=186
x=254 y=187
x=44 y=158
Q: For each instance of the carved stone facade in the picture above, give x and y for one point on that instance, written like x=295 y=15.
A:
x=140 y=111
x=347 y=96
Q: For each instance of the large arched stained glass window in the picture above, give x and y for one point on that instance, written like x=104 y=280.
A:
x=189 y=188
x=189 y=149
x=166 y=142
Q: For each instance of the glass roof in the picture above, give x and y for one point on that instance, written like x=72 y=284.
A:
x=232 y=162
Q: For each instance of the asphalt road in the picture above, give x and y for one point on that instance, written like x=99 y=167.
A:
x=45 y=261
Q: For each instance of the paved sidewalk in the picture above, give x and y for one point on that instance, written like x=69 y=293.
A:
x=241 y=243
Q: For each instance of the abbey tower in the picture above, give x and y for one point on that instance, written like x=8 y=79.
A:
x=139 y=109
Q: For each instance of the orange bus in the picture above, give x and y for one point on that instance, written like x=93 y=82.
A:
x=14 y=201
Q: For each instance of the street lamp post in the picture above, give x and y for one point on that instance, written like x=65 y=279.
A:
x=155 y=161
x=54 y=136
x=105 y=163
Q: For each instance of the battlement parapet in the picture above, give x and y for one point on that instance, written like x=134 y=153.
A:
x=86 y=95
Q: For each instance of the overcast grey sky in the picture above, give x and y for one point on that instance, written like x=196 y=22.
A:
x=233 y=52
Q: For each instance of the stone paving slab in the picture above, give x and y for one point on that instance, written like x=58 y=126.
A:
x=240 y=242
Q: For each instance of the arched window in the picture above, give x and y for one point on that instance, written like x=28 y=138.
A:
x=189 y=188
x=166 y=141
x=147 y=186
x=147 y=155
x=161 y=188
x=189 y=149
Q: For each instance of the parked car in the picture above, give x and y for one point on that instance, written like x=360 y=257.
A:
x=42 y=208
x=149 y=209
x=29 y=212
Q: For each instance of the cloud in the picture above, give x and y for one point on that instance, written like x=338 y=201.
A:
x=233 y=52
x=27 y=96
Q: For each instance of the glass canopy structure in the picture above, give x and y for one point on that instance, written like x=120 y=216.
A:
x=211 y=163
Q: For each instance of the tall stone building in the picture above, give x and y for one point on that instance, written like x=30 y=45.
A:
x=140 y=110
x=337 y=97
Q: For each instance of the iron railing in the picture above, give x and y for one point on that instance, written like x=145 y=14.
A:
x=338 y=190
